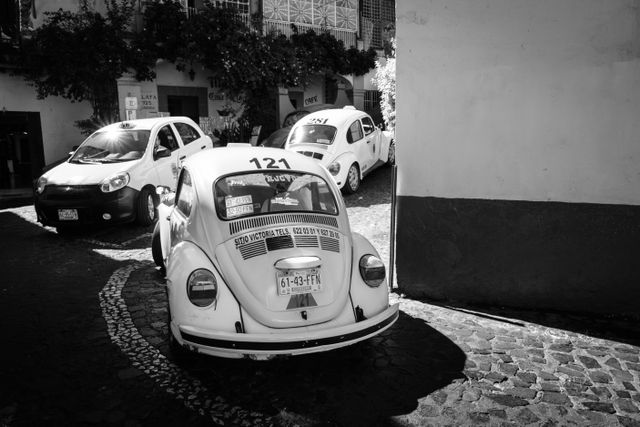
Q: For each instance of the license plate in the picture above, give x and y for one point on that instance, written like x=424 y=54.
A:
x=68 y=214
x=302 y=281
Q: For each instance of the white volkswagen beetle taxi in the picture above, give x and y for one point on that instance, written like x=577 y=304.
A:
x=260 y=259
x=345 y=141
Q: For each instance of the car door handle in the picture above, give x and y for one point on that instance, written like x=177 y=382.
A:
x=183 y=157
x=203 y=147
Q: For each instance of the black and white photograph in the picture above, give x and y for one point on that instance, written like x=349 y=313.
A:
x=320 y=213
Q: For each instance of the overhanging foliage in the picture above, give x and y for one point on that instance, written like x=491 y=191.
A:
x=80 y=55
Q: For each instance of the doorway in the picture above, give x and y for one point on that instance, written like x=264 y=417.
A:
x=184 y=106
x=21 y=151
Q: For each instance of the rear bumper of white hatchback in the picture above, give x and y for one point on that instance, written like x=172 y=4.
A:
x=299 y=341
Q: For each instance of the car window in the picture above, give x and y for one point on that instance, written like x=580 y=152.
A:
x=272 y=191
x=185 y=193
x=367 y=125
x=121 y=145
x=166 y=138
x=187 y=133
x=355 y=132
x=314 y=134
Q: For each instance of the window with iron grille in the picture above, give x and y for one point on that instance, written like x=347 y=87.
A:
x=376 y=16
x=242 y=6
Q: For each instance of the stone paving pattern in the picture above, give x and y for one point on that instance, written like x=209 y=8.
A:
x=106 y=360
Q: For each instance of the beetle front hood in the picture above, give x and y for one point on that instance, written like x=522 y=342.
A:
x=85 y=174
x=289 y=275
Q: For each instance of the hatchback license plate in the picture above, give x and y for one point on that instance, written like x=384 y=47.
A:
x=294 y=282
x=68 y=214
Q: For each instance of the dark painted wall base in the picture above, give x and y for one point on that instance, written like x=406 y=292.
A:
x=573 y=257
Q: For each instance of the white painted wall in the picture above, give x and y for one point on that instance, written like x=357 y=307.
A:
x=57 y=115
x=519 y=99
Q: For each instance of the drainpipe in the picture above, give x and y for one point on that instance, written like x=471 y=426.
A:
x=392 y=234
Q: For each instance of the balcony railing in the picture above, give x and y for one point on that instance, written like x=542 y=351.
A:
x=284 y=28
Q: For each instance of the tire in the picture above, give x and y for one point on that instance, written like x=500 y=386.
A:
x=353 y=180
x=156 y=248
x=146 y=212
x=391 y=158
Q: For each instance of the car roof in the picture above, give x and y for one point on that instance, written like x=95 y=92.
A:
x=213 y=163
x=146 y=124
x=334 y=117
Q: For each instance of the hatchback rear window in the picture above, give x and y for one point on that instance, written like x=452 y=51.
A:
x=314 y=134
x=271 y=192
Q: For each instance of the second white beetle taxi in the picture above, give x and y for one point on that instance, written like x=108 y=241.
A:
x=260 y=259
x=345 y=141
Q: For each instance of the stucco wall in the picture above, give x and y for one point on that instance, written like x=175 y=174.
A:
x=519 y=99
x=519 y=152
x=57 y=115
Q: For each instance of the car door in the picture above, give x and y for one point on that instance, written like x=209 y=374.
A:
x=185 y=196
x=359 y=145
x=372 y=135
x=166 y=168
x=192 y=141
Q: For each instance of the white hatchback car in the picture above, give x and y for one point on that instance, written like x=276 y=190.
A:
x=112 y=176
x=345 y=141
x=260 y=259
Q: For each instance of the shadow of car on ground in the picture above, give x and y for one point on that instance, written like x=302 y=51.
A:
x=363 y=384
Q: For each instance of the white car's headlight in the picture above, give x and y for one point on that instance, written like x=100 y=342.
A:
x=334 y=168
x=115 y=182
x=202 y=288
x=372 y=270
x=42 y=182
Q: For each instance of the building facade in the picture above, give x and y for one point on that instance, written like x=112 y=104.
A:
x=37 y=132
x=519 y=153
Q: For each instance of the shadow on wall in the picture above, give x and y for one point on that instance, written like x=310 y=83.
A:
x=562 y=258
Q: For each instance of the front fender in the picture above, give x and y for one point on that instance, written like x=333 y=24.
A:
x=345 y=160
x=371 y=300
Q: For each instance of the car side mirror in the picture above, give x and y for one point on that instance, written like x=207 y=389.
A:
x=160 y=152
x=165 y=195
x=73 y=150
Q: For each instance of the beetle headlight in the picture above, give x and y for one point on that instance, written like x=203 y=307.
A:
x=202 y=288
x=372 y=270
x=114 y=182
x=334 y=168
x=42 y=182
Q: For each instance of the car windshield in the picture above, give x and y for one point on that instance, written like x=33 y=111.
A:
x=120 y=145
x=314 y=134
x=273 y=191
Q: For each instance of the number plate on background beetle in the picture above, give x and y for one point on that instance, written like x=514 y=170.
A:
x=68 y=214
x=302 y=281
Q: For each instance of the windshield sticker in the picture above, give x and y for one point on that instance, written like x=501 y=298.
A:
x=235 y=211
x=285 y=201
x=231 y=202
x=274 y=179
x=323 y=141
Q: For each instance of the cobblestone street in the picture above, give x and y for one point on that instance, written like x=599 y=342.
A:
x=84 y=319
